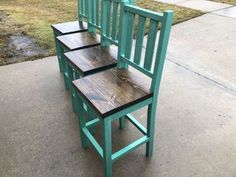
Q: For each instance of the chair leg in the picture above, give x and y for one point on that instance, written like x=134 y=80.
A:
x=72 y=91
x=151 y=116
x=91 y=116
x=80 y=116
x=122 y=122
x=58 y=52
x=107 y=147
x=65 y=72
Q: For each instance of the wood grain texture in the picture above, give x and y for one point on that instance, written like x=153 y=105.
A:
x=79 y=40
x=93 y=59
x=113 y=90
x=70 y=27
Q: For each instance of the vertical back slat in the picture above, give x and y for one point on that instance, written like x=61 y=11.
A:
x=150 y=44
x=96 y=11
x=139 y=40
x=92 y=11
x=80 y=10
x=122 y=36
x=129 y=36
x=114 y=20
x=108 y=28
x=82 y=7
x=86 y=8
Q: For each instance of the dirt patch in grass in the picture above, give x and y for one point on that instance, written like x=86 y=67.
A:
x=31 y=19
x=232 y=2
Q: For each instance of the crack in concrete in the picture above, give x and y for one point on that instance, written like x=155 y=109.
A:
x=203 y=76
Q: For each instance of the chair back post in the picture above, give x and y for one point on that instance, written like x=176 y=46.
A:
x=161 y=51
x=123 y=27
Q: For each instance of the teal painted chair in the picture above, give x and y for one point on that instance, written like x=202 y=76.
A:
x=71 y=27
x=118 y=92
x=88 y=61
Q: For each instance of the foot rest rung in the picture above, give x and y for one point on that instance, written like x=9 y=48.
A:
x=129 y=148
x=92 y=123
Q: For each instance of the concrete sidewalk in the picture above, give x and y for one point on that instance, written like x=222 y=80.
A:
x=39 y=135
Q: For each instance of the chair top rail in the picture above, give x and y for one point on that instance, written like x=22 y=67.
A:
x=144 y=12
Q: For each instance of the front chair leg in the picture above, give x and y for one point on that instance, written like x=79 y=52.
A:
x=107 y=147
x=151 y=116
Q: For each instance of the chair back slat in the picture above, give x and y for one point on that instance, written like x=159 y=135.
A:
x=139 y=39
x=104 y=15
x=150 y=44
x=129 y=37
x=111 y=21
x=92 y=11
x=97 y=12
x=129 y=13
x=94 y=17
x=108 y=15
x=114 y=21
x=80 y=9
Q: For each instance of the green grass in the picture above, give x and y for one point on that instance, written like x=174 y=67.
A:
x=233 y=2
x=34 y=18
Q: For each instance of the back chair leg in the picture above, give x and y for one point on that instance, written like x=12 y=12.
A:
x=65 y=72
x=107 y=147
x=82 y=122
x=151 y=114
x=58 y=51
x=72 y=91
x=122 y=122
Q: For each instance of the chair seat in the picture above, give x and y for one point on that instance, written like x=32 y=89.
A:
x=112 y=90
x=91 y=60
x=70 y=27
x=79 y=40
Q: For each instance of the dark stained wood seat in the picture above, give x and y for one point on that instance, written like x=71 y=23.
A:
x=79 y=40
x=110 y=91
x=91 y=60
x=70 y=27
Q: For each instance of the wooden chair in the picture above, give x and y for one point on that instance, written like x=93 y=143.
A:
x=99 y=58
x=71 y=27
x=118 y=92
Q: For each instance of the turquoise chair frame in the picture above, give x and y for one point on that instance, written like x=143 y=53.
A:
x=109 y=35
x=150 y=67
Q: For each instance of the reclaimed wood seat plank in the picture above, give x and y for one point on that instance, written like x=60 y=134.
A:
x=112 y=90
x=79 y=40
x=70 y=27
x=91 y=60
